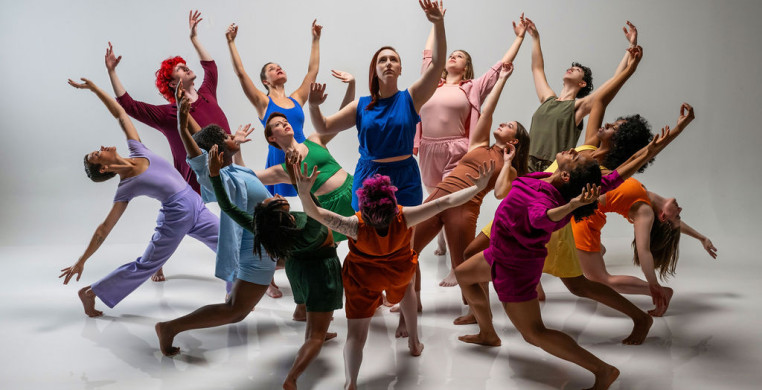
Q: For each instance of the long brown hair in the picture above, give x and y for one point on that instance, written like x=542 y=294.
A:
x=521 y=161
x=468 y=74
x=665 y=242
x=373 y=76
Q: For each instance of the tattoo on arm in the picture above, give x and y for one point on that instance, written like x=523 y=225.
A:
x=344 y=225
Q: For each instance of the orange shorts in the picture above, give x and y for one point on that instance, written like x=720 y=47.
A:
x=587 y=233
x=365 y=282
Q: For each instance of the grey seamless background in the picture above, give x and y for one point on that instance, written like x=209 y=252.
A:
x=703 y=52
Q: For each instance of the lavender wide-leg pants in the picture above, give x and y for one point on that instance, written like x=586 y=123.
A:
x=182 y=214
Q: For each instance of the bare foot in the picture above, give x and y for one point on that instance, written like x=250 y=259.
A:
x=330 y=335
x=605 y=378
x=273 y=291
x=165 y=340
x=639 y=330
x=490 y=341
x=158 y=276
x=449 y=280
x=659 y=311
x=540 y=292
x=415 y=348
x=465 y=319
x=401 y=328
x=300 y=313
x=87 y=296
x=441 y=245
x=395 y=308
x=386 y=301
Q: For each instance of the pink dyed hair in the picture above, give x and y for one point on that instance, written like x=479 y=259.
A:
x=378 y=204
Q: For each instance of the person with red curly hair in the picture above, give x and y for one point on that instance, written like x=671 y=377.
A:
x=204 y=107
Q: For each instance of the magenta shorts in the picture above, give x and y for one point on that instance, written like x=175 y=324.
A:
x=514 y=280
x=439 y=156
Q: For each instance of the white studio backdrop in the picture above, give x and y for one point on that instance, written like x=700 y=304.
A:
x=702 y=52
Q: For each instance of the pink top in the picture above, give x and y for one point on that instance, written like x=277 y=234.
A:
x=521 y=227
x=475 y=91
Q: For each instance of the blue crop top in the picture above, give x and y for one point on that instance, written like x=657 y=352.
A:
x=387 y=129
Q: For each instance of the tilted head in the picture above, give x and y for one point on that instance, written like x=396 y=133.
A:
x=385 y=64
x=516 y=134
x=625 y=137
x=97 y=162
x=275 y=229
x=172 y=71
x=665 y=245
x=378 y=204
x=459 y=62
x=215 y=135
x=272 y=74
x=580 y=76
x=277 y=129
x=577 y=171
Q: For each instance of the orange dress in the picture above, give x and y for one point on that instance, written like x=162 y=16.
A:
x=587 y=233
x=376 y=264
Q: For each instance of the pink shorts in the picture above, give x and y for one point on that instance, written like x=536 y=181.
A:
x=439 y=156
x=515 y=280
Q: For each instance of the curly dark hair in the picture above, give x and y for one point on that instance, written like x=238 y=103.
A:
x=665 y=248
x=93 y=171
x=274 y=229
x=209 y=136
x=587 y=78
x=632 y=135
x=586 y=172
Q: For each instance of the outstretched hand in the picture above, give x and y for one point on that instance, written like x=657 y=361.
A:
x=316 y=29
x=636 y=54
x=345 y=77
x=521 y=28
x=304 y=183
x=485 y=174
x=317 y=95
x=86 y=84
x=241 y=135
x=216 y=161
x=434 y=11
x=709 y=247
x=686 y=115
x=111 y=60
x=531 y=28
x=183 y=102
x=231 y=32
x=69 y=272
x=589 y=194
x=194 y=18
x=632 y=34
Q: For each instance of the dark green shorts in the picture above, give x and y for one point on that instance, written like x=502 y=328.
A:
x=316 y=281
x=340 y=202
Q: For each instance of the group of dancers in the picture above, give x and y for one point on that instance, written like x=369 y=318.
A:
x=554 y=196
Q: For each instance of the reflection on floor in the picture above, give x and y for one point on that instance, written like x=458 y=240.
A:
x=708 y=340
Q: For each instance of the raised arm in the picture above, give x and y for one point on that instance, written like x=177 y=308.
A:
x=705 y=241
x=480 y=135
x=423 y=88
x=303 y=91
x=240 y=216
x=541 y=85
x=598 y=102
x=241 y=136
x=113 y=107
x=589 y=194
x=256 y=97
x=191 y=148
x=345 y=225
x=349 y=97
x=643 y=220
x=194 y=18
x=507 y=174
x=417 y=214
x=632 y=38
x=520 y=30
x=111 y=62
x=101 y=232
x=335 y=123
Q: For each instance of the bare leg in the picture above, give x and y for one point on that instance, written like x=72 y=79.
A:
x=408 y=308
x=87 y=296
x=582 y=287
x=527 y=320
x=478 y=244
x=242 y=300
x=595 y=269
x=540 y=292
x=357 y=334
x=315 y=335
x=158 y=276
x=441 y=245
x=470 y=274
x=273 y=291
x=300 y=312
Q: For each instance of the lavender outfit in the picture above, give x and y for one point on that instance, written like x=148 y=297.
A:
x=521 y=230
x=182 y=213
x=204 y=110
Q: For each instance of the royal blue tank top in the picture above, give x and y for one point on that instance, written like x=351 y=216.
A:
x=388 y=128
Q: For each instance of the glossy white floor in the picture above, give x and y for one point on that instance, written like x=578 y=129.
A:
x=708 y=340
